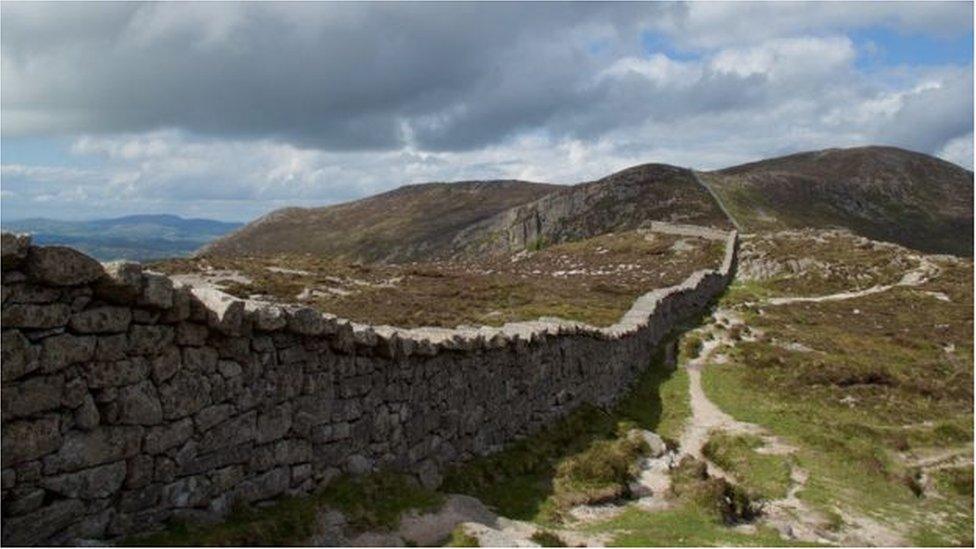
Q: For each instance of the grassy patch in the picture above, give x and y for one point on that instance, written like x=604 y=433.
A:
x=600 y=473
x=545 y=538
x=460 y=539
x=376 y=501
x=373 y=502
x=683 y=526
x=763 y=476
x=882 y=377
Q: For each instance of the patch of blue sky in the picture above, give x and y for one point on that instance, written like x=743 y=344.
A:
x=43 y=151
x=652 y=42
x=880 y=48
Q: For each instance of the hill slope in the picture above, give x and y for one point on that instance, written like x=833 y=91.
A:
x=411 y=222
x=622 y=201
x=883 y=193
x=135 y=237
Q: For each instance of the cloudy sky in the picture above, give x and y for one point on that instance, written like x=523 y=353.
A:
x=228 y=110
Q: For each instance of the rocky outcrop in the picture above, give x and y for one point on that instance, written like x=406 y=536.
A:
x=128 y=400
x=623 y=201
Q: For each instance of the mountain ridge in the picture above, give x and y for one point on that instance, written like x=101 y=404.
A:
x=880 y=192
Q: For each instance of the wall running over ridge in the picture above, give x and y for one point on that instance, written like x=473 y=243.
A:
x=126 y=401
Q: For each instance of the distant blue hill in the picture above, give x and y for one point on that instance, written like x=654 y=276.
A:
x=135 y=237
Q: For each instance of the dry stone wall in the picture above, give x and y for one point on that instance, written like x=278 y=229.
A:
x=127 y=401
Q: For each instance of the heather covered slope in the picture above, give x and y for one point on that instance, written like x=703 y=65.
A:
x=623 y=201
x=411 y=222
x=883 y=193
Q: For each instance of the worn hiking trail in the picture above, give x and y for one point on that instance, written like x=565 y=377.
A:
x=925 y=271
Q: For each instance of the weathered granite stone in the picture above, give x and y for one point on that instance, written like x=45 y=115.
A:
x=224 y=313
x=74 y=392
x=24 y=315
x=29 y=439
x=202 y=359
x=105 y=444
x=61 y=266
x=139 y=404
x=17 y=504
x=145 y=497
x=166 y=364
x=191 y=334
x=265 y=486
x=165 y=469
x=274 y=424
x=139 y=471
x=227 y=477
x=23 y=293
x=180 y=310
x=13 y=249
x=212 y=415
x=149 y=340
x=122 y=283
x=35 y=528
x=157 y=290
x=306 y=321
x=187 y=492
x=101 y=320
x=184 y=395
x=290 y=451
x=117 y=373
x=358 y=465
x=229 y=368
x=87 y=416
x=162 y=438
x=111 y=347
x=145 y=316
x=31 y=396
x=230 y=433
x=17 y=355
x=97 y=482
x=9 y=478
x=62 y=350
x=266 y=317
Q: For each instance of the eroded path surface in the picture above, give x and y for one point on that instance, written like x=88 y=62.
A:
x=925 y=271
x=793 y=518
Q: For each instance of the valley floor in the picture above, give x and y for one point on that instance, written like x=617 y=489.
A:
x=827 y=400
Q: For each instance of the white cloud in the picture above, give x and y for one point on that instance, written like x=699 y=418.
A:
x=723 y=24
x=230 y=110
x=959 y=151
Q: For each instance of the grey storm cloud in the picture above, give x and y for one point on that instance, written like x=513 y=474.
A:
x=331 y=76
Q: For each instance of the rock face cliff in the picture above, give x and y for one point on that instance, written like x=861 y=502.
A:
x=623 y=201
x=128 y=401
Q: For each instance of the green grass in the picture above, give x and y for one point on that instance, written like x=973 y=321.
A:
x=877 y=385
x=682 y=526
x=545 y=538
x=763 y=476
x=535 y=478
x=460 y=539
x=599 y=473
x=372 y=502
x=376 y=501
